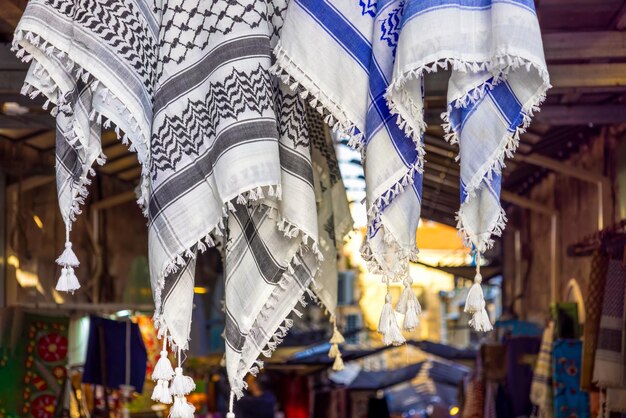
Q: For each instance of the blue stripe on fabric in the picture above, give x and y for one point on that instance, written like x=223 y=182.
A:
x=360 y=49
x=335 y=24
x=507 y=104
x=460 y=115
x=419 y=7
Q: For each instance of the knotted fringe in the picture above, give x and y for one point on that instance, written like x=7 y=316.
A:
x=409 y=306
x=475 y=303
x=68 y=258
x=334 y=351
x=388 y=325
x=120 y=117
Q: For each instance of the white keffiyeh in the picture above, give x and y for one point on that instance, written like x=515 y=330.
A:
x=349 y=56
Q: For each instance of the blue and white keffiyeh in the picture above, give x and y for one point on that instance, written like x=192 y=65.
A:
x=347 y=57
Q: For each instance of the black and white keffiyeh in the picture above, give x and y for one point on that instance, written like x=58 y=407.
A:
x=223 y=146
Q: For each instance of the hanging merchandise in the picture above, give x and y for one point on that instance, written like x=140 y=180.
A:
x=41 y=359
x=611 y=350
x=608 y=372
x=569 y=399
x=334 y=221
x=519 y=373
x=593 y=313
x=541 y=386
x=224 y=150
x=116 y=354
x=366 y=64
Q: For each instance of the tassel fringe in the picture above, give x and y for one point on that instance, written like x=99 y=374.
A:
x=475 y=303
x=388 y=325
x=68 y=282
x=182 y=408
x=181 y=384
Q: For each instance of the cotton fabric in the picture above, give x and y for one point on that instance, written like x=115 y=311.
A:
x=610 y=353
x=364 y=73
x=541 y=386
x=569 y=399
x=223 y=146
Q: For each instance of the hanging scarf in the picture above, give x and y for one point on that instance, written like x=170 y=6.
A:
x=593 y=313
x=609 y=361
x=333 y=210
x=220 y=143
x=569 y=399
x=94 y=62
x=334 y=221
x=365 y=52
x=541 y=386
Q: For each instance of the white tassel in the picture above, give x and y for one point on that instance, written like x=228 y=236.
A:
x=181 y=384
x=480 y=320
x=182 y=408
x=68 y=258
x=411 y=319
x=338 y=364
x=401 y=306
x=161 y=393
x=336 y=338
x=475 y=303
x=68 y=282
x=163 y=369
x=334 y=351
x=388 y=325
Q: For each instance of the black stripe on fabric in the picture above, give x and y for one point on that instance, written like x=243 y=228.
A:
x=295 y=164
x=267 y=265
x=237 y=49
x=180 y=183
x=232 y=334
x=172 y=280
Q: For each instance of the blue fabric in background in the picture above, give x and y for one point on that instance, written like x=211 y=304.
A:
x=114 y=350
x=569 y=399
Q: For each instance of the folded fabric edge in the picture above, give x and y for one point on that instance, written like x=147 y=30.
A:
x=258 y=195
x=297 y=80
x=499 y=66
x=293 y=76
x=29 y=46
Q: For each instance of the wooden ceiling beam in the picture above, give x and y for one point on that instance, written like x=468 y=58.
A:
x=582 y=114
x=584 y=45
x=11 y=11
x=28 y=121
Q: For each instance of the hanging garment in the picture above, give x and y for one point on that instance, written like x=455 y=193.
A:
x=474 y=398
x=519 y=374
x=593 y=313
x=116 y=354
x=364 y=72
x=541 y=386
x=569 y=399
x=610 y=354
x=220 y=141
x=333 y=211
